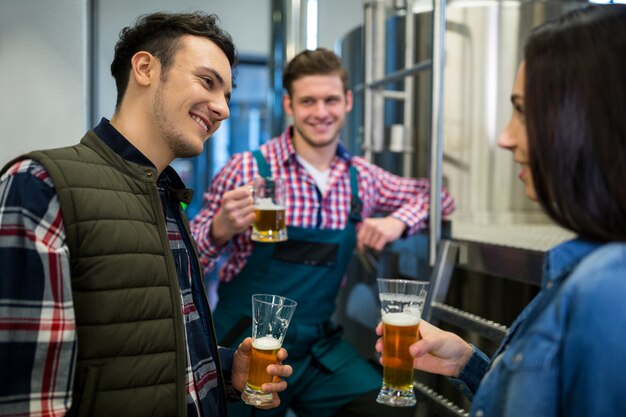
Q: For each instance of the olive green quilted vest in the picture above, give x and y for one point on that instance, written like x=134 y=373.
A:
x=131 y=349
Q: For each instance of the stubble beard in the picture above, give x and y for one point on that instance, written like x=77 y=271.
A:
x=314 y=144
x=179 y=145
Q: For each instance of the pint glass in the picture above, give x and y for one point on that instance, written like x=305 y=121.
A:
x=269 y=207
x=271 y=315
x=401 y=308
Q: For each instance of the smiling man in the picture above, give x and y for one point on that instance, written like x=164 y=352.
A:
x=331 y=198
x=103 y=311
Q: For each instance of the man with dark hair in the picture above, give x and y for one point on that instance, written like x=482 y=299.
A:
x=102 y=307
x=331 y=197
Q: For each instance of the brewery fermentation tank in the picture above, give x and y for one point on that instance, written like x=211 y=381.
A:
x=484 y=42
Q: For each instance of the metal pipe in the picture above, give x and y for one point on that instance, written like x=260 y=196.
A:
x=378 y=101
x=276 y=64
x=436 y=148
x=296 y=12
x=369 y=76
x=409 y=48
x=399 y=75
x=394 y=95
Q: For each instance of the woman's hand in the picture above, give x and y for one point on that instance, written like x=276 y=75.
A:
x=437 y=351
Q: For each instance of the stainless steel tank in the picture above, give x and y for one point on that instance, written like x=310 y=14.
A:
x=484 y=46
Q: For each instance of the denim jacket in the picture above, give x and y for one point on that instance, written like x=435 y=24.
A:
x=565 y=355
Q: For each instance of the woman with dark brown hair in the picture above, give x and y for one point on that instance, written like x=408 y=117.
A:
x=564 y=355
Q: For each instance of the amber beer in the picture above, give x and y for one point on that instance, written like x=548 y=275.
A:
x=269 y=225
x=400 y=330
x=264 y=353
x=269 y=208
x=271 y=315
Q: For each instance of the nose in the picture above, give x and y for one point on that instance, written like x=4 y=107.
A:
x=220 y=108
x=320 y=109
x=507 y=139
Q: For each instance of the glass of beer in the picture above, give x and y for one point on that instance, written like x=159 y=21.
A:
x=269 y=207
x=271 y=315
x=401 y=309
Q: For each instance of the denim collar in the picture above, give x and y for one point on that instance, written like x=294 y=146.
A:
x=563 y=258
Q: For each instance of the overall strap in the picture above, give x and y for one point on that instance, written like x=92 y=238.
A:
x=356 y=205
x=264 y=168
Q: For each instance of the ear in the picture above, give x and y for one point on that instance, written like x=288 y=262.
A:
x=349 y=100
x=287 y=104
x=143 y=68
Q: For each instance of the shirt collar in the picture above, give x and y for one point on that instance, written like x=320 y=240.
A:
x=286 y=150
x=563 y=258
x=121 y=146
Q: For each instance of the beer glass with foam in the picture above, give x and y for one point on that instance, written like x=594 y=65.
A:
x=269 y=207
x=271 y=315
x=401 y=309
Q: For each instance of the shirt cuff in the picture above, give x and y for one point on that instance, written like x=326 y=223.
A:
x=472 y=373
x=207 y=249
x=226 y=361
x=211 y=250
x=414 y=223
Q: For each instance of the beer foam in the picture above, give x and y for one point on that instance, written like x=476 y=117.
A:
x=266 y=343
x=401 y=319
x=402 y=298
x=267 y=204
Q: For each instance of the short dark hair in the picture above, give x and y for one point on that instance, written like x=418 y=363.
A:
x=320 y=61
x=159 y=34
x=575 y=104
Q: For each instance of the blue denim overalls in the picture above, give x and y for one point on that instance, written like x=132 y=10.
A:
x=308 y=268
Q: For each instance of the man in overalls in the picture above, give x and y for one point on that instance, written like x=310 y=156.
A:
x=330 y=198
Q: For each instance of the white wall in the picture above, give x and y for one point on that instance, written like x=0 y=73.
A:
x=44 y=52
x=43 y=79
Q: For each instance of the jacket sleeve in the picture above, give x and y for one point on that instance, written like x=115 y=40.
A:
x=472 y=373
x=593 y=360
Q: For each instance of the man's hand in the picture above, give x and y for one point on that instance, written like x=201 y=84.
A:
x=241 y=365
x=236 y=214
x=376 y=232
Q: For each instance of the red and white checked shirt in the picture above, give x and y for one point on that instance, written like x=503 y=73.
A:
x=406 y=199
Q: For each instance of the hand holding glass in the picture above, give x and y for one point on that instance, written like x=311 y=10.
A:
x=401 y=309
x=269 y=207
x=271 y=315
